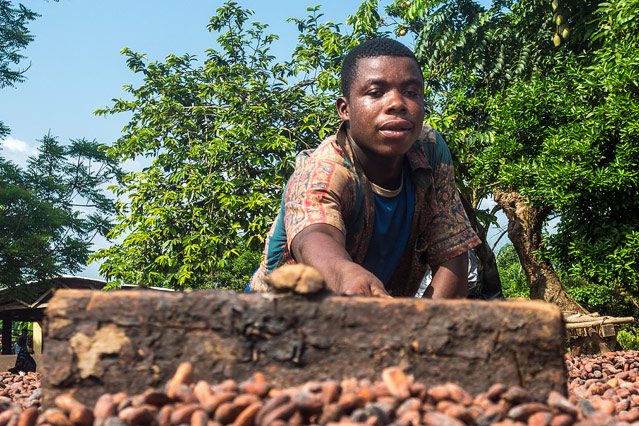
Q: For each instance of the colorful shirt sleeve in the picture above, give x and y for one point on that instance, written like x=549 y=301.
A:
x=319 y=191
x=450 y=233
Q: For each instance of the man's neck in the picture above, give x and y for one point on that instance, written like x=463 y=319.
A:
x=382 y=171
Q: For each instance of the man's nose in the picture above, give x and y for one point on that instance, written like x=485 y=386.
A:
x=396 y=101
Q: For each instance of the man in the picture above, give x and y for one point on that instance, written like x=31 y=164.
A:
x=375 y=205
x=24 y=360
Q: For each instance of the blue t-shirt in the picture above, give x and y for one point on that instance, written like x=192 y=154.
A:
x=390 y=233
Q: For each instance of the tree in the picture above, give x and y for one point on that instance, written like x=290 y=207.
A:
x=573 y=153
x=474 y=56
x=50 y=211
x=512 y=275
x=14 y=36
x=222 y=137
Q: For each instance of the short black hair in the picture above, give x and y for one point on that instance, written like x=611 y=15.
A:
x=371 y=49
x=22 y=341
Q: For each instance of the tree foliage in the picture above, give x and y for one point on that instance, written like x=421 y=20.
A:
x=14 y=36
x=222 y=138
x=50 y=211
x=513 y=278
x=569 y=139
x=539 y=99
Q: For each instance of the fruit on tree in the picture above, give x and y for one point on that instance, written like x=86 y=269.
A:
x=560 y=19
x=556 y=40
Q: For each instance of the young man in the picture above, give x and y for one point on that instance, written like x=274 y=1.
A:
x=373 y=206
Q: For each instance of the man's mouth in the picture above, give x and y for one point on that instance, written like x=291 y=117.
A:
x=396 y=128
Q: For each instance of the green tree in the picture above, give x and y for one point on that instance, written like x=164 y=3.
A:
x=565 y=144
x=51 y=210
x=513 y=278
x=222 y=137
x=480 y=63
x=14 y=36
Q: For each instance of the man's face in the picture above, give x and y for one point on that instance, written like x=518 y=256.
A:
x=385 y=107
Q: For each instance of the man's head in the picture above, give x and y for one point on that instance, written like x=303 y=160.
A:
x=22 y=341
x=370 y=49
x=383 y=99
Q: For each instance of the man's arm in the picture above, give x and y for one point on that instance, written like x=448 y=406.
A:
x=323 y=247
x=450 y=279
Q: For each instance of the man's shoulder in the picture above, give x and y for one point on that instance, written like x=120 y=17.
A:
x=327 y=152
x=432 y=144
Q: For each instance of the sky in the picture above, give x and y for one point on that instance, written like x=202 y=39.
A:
x=75 y=65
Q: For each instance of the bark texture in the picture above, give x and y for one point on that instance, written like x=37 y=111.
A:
x=525 y=223
x=129 y=341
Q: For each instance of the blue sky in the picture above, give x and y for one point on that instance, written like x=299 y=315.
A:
x=76 y=66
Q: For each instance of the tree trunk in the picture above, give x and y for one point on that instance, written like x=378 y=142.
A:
x=525 y=223
x=491 y=288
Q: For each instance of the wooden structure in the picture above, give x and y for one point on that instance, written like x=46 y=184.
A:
x=31 y=308
x=591 y=334
x=129 y=341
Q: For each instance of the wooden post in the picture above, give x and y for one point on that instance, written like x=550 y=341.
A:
x=37 y=337
x=129 y=341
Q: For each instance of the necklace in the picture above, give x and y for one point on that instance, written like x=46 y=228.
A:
x=389 y=193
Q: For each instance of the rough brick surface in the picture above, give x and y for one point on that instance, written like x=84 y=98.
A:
x=130 y=340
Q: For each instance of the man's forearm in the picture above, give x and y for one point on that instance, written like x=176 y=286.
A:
x=321 y=251
x=322 y=247
x=450 y=280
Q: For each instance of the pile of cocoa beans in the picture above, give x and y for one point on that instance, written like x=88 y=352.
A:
x=19 y=390
x=603 y=390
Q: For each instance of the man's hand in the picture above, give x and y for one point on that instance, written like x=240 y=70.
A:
x=450 y=279
x=323 y=247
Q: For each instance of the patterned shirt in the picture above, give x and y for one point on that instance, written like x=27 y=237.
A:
x=329 y=186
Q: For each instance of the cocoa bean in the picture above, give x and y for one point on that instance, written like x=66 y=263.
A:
x=104 y=407
x=202 y=391
x=67 y=403
x=135 y=416
x=5 y=416
x=330 y=392
x=397 y=382
x=435 y=418
x=158 y=399
x=164 y=415
x=199 y=418
x=81 y=416
x=183 y=375
x=211 y=404
x=260 y=389
x=271 y=405
x=244 y=400
x=495 y=391
x=523 y=411
x=28 y=417
x=282 y=412
x=55 y=417
x=247 y=416
x=182 y=415
x=541 y=418
x=226 y=413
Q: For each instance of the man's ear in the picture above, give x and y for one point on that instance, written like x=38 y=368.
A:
x=342 y=108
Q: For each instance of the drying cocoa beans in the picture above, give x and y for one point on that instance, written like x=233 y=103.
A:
x=602 y=390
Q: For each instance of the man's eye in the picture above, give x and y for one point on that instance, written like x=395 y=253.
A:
x=411 y=93
x=375 y=93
